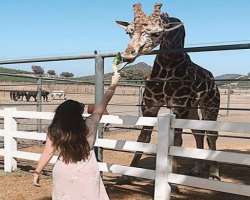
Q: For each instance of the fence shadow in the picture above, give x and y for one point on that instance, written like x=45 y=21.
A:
x=236 y=173
x=188 y=193
x=127 y=191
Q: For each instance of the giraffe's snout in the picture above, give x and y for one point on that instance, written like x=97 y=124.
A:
x=129 y=54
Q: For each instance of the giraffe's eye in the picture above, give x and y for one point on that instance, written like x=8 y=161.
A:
x=130 y=34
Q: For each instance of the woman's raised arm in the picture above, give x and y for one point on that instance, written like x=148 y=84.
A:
x=100 y=108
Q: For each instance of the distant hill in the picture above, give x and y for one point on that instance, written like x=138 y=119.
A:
x=136 y=72
x=131 y=72
x=228 y=76
x=236 y=77
x=14 y=71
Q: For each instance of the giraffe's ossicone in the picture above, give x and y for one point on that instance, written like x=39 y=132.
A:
x=175 y=80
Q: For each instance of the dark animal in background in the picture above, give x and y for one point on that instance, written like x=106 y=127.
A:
x=30 y=94
x=15 y=95
x=45 y=94
x=21 y=94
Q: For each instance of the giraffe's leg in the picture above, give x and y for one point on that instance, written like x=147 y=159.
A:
x=145 y=135
x=177 y=142
x=199 y=164
x=214 y=167
x=178 y=137
x=199 y=139
x=180 y=113
x=210 y=112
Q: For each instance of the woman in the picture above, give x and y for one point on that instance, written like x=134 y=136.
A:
x=75 y=175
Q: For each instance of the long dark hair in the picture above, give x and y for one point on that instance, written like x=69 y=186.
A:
x=68 y=132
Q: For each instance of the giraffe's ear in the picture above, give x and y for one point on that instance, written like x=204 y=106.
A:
x=122 y=24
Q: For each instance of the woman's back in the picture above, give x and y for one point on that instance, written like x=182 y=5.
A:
x=80 y=180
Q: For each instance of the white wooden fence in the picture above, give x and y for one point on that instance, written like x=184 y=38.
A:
x=164 y=149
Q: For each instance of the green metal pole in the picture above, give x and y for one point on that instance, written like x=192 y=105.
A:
x=228 y=98
x=99 y=91
x=39 y=103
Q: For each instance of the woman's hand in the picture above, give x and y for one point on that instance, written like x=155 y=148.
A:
x=43 y=161
x=36 y=179
x=115 y=78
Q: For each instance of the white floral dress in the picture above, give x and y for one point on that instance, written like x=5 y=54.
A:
x=78 y=181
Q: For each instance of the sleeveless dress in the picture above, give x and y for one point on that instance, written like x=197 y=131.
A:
x=80 y=180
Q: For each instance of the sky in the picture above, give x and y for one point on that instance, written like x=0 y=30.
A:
x=73 y=27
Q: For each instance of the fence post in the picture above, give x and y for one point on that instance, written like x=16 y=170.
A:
x=140 y=101
x=165 y=139
x=99 y=91
x=10 y=144
x=39 y=103
x=228 y=98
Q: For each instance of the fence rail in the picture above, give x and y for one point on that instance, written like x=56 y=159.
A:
x=108 y=55
x=164 y=149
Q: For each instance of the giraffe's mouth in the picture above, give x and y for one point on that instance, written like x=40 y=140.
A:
x=128 y=60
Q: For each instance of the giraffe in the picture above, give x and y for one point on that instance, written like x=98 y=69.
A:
x=175 y=80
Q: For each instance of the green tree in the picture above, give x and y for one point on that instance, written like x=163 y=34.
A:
x=38 y=70
x=67 y=74
x=51 y=72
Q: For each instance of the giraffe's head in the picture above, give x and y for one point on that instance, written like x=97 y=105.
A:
x=145 y=32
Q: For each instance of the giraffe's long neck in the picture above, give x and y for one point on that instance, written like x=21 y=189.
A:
x=165 y=63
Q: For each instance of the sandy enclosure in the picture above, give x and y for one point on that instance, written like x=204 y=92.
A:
x=18 y=185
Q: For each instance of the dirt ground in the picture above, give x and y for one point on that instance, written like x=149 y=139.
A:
x=17 y=185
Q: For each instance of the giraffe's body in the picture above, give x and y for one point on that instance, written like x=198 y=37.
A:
x=175 y=80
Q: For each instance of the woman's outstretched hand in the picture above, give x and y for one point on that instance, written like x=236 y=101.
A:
x=115 y=78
